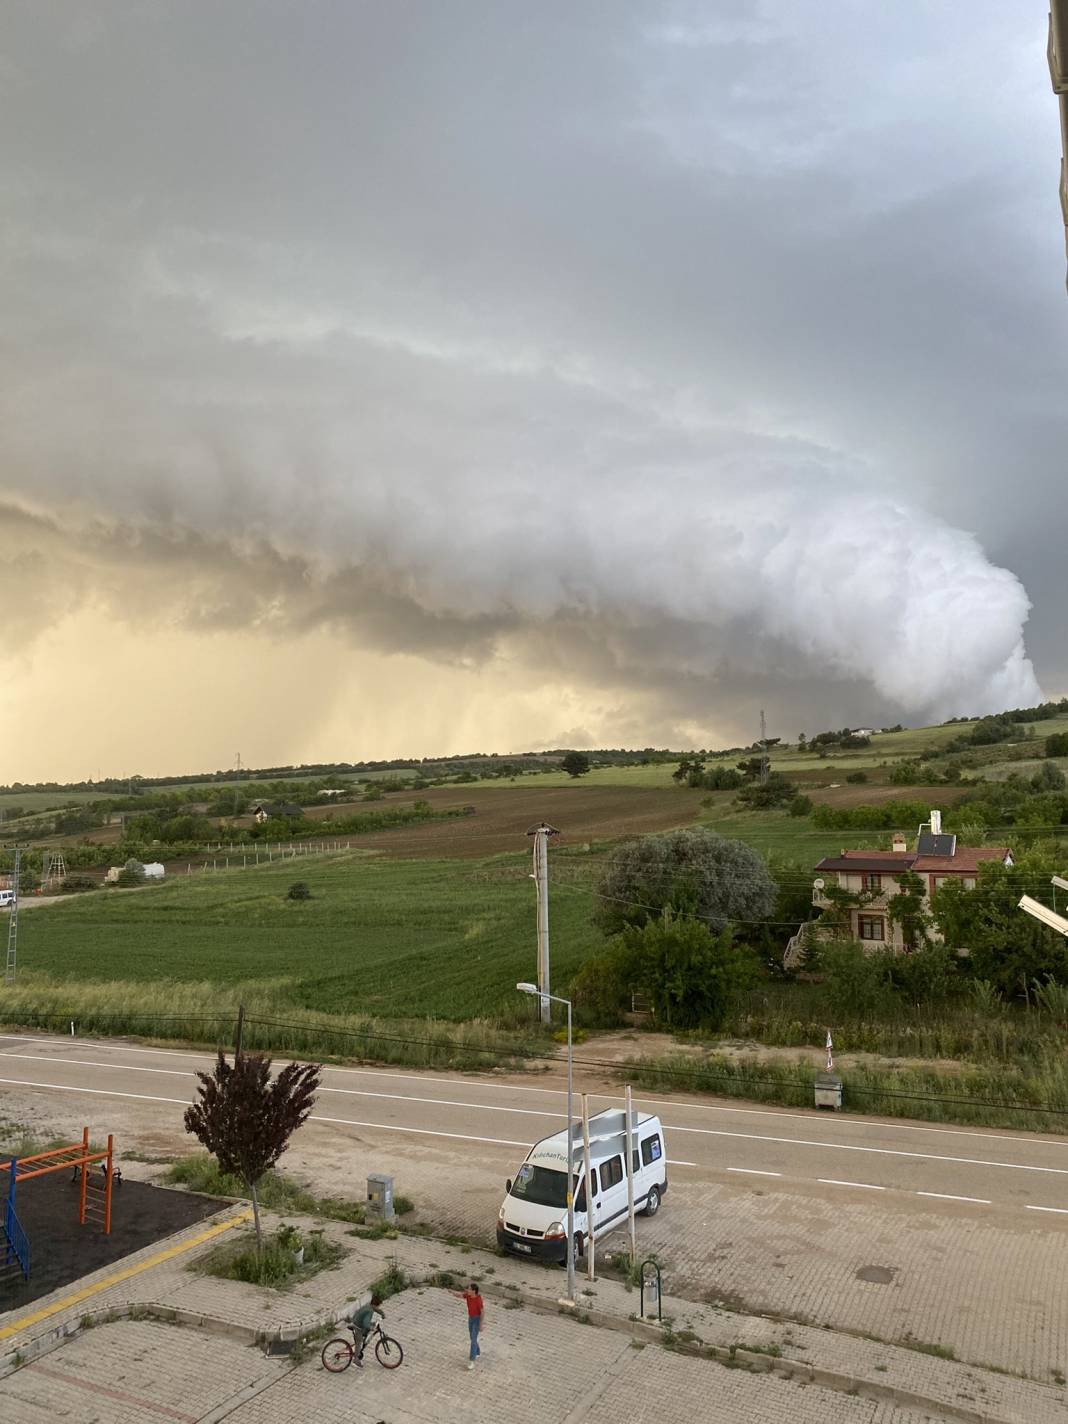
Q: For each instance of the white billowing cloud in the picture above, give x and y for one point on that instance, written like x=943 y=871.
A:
x=666 y=358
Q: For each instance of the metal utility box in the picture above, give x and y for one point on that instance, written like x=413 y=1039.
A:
x=828 y=1091
x=380 y=1197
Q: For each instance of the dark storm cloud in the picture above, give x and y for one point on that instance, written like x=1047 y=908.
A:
x=665 y=352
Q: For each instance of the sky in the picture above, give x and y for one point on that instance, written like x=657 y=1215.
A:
x=411 y=379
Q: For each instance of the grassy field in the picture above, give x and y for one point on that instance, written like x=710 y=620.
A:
x=47 y=800
x=379 y=937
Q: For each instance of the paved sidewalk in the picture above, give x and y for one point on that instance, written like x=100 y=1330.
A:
x=894 y=1383
x=992 y=1288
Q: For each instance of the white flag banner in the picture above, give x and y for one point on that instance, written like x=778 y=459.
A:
x=830 y=1052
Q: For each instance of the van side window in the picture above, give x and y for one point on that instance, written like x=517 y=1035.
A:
x=611 y=1173
x=580 y=1196
x=651 y=1149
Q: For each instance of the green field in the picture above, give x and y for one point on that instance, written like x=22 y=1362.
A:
x=47 y=800
x=379 y=937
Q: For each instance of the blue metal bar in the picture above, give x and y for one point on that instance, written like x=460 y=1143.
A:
x=16 y=1242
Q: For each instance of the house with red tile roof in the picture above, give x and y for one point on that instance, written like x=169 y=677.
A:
x=870 y=878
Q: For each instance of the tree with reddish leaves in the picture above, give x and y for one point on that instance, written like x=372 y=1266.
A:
x=245 y=1119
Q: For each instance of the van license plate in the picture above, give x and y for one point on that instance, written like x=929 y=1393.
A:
x=522 y=1246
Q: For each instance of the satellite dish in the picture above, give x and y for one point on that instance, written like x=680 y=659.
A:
x=817 y=884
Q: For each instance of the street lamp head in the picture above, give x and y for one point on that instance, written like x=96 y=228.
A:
x=527 y=988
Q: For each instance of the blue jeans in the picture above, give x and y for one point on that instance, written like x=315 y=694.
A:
x=474 y=1324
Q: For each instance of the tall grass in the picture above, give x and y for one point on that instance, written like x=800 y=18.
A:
x=989 y=1097
x=205 y=1015
x=971 y=1030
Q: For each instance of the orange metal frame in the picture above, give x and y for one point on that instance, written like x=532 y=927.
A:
x=77 y=1155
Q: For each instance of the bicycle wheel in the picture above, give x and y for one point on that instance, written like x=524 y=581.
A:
x=337 y=1356
x=388 y=1352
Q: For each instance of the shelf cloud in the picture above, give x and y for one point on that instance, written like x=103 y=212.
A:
x=667 y=363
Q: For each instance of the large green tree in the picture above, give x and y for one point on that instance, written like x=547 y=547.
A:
x=576 y=763
x=689 y=975
x=1005 y=946
x=694 y=873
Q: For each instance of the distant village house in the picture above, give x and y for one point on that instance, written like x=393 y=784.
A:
x=872 y=874
x=273 y=810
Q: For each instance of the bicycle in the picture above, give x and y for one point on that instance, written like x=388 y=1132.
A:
x=338 y=1354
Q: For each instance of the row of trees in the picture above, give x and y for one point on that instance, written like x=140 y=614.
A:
x=692 y=919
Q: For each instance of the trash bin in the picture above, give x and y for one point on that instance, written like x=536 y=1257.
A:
x=380 y=1197
x=828 y=1091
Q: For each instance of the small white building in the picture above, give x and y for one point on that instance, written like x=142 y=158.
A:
x=154 y=870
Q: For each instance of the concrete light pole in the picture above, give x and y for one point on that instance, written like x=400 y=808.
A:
x=556 y=999
x=540 y=877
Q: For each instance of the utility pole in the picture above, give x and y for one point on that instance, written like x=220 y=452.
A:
x=763 y=748
x=540 y=877
x=13 y=922
x=240 y=1031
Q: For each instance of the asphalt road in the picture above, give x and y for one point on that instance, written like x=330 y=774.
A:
x=959 y=1170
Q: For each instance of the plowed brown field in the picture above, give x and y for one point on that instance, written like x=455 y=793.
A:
x=504 y=814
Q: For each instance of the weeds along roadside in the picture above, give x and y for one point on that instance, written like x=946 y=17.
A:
x=796 y=1016
x=205 y=1016
x=1028 y=1099
x=1026 y=1094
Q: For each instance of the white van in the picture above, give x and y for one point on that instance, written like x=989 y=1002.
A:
x=532 y=1220
x=6 y=897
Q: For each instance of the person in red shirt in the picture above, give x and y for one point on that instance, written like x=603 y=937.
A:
x=475 y=1312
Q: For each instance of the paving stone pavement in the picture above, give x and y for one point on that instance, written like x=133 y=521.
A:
x=991 y=1288
x=132 y=1372
x=542 y=1369
x=536 y=1369
x=939 y=1385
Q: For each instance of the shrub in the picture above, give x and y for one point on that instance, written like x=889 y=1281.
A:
x=599 y=991
x=77 y=884
x=799 y=806
x=759 y=795
x=1057 y=745
x=299 y=890
x=277 y=1265
x=856 y=984
x=690 y=974
x=857 y=778
x=132 y=873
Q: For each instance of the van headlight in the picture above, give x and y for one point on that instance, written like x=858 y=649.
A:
x=556 y=1232
x=500 y=1214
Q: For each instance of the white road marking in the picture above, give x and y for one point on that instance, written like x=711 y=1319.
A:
x=96 y=1092
x=754 y=1172
x=183 y=1102
x=868 y=1186
x=856 y=1147
x=538 y=1112
x=948 y=1196
x=754 y=1110
x=495 y=1141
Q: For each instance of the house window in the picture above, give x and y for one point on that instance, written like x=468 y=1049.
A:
x=873 y=881
x=871 y=927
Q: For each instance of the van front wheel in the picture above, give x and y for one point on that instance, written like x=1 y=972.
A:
x=652 y=1202
x=578 y=1245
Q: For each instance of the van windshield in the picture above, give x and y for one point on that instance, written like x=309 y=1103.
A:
x=544 y=1186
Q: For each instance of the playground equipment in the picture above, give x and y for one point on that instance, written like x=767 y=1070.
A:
x=94 y=1200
